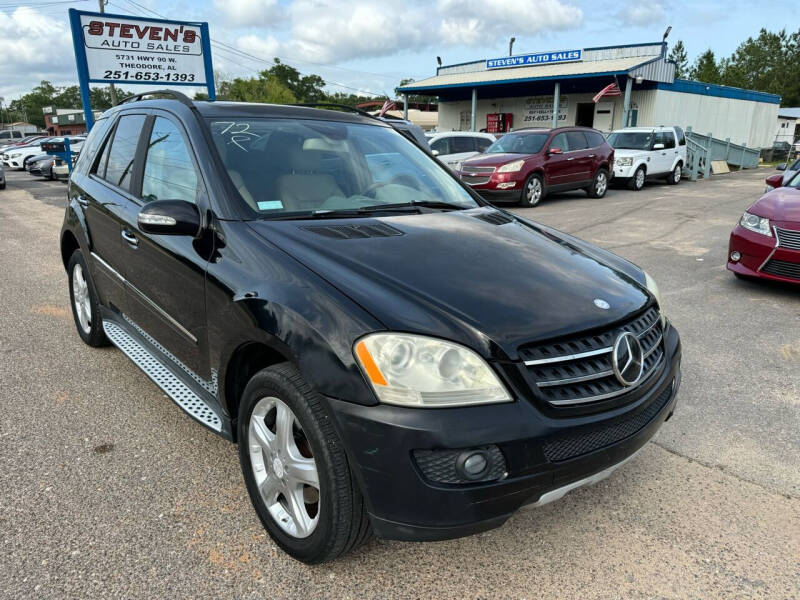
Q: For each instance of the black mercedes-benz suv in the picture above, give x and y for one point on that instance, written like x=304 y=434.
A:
x=392 y=354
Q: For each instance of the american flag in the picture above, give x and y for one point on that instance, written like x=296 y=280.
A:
x=612 y=89
x=387 y=106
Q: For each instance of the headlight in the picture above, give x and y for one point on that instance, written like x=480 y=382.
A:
x=511 y=167
x=652 y=286
x=755 y=223
x=625 y=161
x=15 y=155
x=413 y=370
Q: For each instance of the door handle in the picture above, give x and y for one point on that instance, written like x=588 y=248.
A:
x=83 y=201
x=129 y=237
x=571 y=158
x=591 y=156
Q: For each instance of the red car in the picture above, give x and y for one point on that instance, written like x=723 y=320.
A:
x=525 y=165
x=766 y=242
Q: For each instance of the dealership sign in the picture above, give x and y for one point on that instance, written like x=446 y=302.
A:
x=134 y=50
x=530 y=60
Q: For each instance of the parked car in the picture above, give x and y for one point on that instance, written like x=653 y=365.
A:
x=10 y=135
x=42 y=166
x=18 y=157
x=392 y=354
x=2 y=178
x=411 y=130
x=648 y=153
x=766 y=242
x=453 y=147
x=526 y=165
x=60 y=170
x=788 y=171
x=780 y=150
x=23 y=142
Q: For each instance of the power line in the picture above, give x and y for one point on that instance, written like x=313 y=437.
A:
x=39 y=4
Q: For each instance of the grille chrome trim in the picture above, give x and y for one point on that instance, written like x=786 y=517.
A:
x=566 y=357
x=788 y=238
x=568 y=380
x=590 y=399
x=472 y=180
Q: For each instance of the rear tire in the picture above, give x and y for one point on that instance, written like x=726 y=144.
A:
x=84 y=302
x=674 y=177
x=532 y=191
x=599 y=185
x=311 y=524
x=636 y=182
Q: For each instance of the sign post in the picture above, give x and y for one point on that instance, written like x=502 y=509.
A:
x=138 y=50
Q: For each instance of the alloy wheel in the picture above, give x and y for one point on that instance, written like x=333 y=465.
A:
x=81 y=299
x=676 y=175
x=534 y=191
x=639 y=179
x=283 y=467
x=600 y=184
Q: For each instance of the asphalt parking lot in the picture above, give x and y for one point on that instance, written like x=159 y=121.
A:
x=109 y=490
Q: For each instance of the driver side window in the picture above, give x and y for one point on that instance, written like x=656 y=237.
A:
x=169 y=172
x=560 y=142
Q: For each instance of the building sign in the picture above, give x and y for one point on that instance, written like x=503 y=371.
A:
x=539 y=109
x=530 y=60
x=121 y=48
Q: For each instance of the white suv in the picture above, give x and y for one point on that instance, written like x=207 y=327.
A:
x=17 y=156
x=454 y=147
x=648 y=152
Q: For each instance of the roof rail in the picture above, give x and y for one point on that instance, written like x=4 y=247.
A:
x=363 y=113
x=182 y=98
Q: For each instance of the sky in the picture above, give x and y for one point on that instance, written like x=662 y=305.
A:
x=369 y=46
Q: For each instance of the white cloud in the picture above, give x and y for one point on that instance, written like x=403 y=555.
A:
x=250 y=13
x=34 y=46
x=641 y=14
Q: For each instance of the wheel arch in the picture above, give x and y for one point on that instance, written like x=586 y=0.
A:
x=69 y=243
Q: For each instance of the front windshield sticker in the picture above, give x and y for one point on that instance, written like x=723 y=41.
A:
x=270 y=205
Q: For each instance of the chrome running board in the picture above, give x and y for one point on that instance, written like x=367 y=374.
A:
x=172 y=385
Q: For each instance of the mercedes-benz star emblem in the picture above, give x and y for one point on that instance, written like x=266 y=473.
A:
x=627 y=359
x=600 y=303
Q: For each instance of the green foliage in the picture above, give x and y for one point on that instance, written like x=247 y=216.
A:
x=29 y=107
x=264 y=88
x=679 y=57
x=706 y=69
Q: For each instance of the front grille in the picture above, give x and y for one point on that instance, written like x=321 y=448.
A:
x=567 y=447
x=475 y=180
x=788 y=238
x=579 y=370
x=469 y=169
x=782 y=268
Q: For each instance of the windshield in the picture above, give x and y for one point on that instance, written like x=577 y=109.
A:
x=794 y=181
x=632 y=140
x=518 y=143
x=293 y=167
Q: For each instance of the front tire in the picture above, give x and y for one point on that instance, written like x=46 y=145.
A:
x=636 y=182
x=532 y=191
x=84 y=302
x=296 y=469
x=599 y=185
x=674 y=178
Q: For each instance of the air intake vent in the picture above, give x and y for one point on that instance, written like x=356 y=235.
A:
x=495 y=218
x=355 y=232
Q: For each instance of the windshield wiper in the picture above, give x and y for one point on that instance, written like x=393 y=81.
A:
x=338 y=213
x=411 y=204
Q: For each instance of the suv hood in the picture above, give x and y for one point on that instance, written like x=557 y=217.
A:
x=494 y=160
x=453 y=275
x=628 y=152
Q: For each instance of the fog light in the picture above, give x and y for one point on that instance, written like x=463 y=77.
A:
x=735 y=256
x=472 y=464
x=505 y=185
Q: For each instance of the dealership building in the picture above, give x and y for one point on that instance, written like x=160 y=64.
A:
x=603 y=87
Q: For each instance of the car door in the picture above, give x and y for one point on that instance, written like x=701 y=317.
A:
x=557 y=164
x=166 y=273
x=581 y=167
x=102 y=192
x=661 y=161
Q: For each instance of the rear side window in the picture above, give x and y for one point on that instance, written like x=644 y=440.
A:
x=665 y=137
x=169 y=172
x=594 y=139
x=576 y=140
x=121 y=156
x=92 y=144
x=681 y=136
x=462 y=144
x=442 y=146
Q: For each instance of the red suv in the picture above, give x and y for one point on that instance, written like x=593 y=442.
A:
x=526 y=165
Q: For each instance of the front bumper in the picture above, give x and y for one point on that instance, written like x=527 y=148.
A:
x=756 y=250
x=404 y=505
x=626 y=172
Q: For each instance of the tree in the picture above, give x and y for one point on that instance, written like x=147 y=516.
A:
x=416 y=98
x=265 y=88
x=706 y=69
x=681 y=60
x=305 y=88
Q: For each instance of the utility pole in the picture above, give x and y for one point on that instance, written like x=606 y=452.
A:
x=102 y=4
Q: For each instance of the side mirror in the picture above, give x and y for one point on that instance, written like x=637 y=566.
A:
x=781 y=166
x=170 y=217
x=775 y=181
x=555 y=151
x=435 y=152
x=658 y=146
